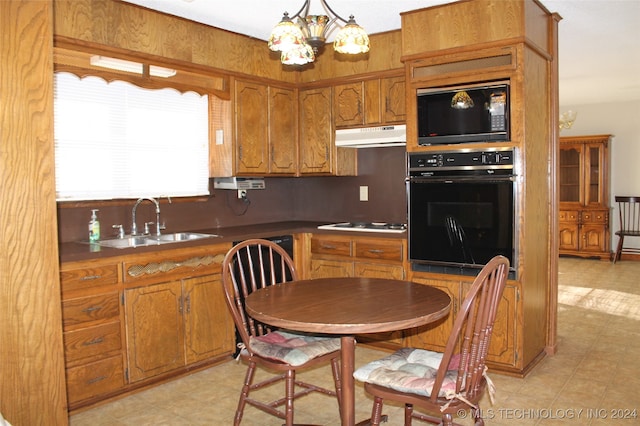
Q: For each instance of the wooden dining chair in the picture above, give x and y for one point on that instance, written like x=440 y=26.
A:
x=251 y=265
x=629 y=210
x=446 y=382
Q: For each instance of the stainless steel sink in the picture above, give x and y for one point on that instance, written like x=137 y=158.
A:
x=125 y=242
x=152 y=240
x=183 y=236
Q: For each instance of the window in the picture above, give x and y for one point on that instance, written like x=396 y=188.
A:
x=117 y=140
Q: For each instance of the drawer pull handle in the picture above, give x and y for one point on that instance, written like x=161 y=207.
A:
x=95 y=341
x=90 y=277
x=91 y=309
x=376 y=251
x=327 y=246
x=96 y=380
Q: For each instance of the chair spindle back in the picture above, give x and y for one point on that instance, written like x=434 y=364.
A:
x=629 y=209
x=472 y=330
x=251 y=265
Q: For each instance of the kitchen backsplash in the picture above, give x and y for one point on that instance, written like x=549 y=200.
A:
x=320 y=198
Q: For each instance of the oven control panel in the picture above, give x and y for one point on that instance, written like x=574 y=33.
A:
x=461 y=159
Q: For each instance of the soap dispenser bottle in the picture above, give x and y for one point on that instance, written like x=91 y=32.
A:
x=94 y=227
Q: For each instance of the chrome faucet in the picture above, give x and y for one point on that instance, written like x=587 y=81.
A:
x=134 y=226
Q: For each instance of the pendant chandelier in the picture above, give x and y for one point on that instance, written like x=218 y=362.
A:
x=301 y=40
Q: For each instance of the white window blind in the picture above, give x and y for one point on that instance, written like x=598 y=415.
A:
x=117 y=140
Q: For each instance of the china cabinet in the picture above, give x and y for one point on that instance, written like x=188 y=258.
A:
x=583 y=186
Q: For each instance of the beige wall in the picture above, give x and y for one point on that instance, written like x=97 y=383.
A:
x=622 y=120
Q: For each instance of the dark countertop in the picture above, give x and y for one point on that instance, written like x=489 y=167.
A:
x=75 y=251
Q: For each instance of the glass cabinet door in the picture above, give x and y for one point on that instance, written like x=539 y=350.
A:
x=593 y=176
x=570 y=174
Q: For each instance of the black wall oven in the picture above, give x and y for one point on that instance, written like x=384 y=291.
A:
x=461 y=210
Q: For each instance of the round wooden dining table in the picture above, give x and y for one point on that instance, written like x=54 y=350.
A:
x=345 y=307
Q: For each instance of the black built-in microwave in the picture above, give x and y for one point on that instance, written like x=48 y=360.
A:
x=473 y=113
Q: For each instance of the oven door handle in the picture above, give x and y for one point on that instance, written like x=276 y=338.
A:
x=445 y=179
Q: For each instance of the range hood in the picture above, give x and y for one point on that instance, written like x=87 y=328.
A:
x=370 y=137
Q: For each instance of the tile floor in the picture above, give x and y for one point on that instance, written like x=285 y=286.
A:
x=594 y=379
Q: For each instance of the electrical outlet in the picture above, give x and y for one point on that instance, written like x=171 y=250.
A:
x=242 y=194
x=364 y=193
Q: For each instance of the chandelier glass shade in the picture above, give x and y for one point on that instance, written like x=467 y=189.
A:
x=461 y=100
x=301 y=40
x=567 y=119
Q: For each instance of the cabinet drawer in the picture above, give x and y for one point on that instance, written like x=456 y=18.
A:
x=94 y=378
x=174 y=264
x=92 y=341
x=102 y=307
x=595 y=216
x=378 y=250
x=568 y=215
x=334 y=247
x=76 y=279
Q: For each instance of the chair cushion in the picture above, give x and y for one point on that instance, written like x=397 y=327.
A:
x=293 y=348
x=409 y=370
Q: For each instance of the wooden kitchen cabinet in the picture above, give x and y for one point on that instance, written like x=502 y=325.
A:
x=348 y=104
x=434 y=336
x=283 y=131
x=348 y=256
x=174 y=324
x=178 y=322
x=339 y=255
x=583 y=182
x=373 y=102
x=155 y=334
x=316 y=131
x=317 y=153
x=252 y=130
x=209 y=330
x=266 y=136
x=134 y=320
x=502 y=350
x=92 y=329
x=393 y=101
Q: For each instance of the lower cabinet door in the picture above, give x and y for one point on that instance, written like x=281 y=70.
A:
x=568 y=236
x=155 y=336
x=502 y=349
x=209 y=329
x=376 y=270
x=434 y=336
x=321 y=268
x=95 y=378
x=593 y=238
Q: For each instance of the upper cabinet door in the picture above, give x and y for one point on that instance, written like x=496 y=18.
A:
x=584 y=171
x=594 y=174
x=393 y=100
x=316 y=131
x=372 y=102
x=571 y=172
x=252 y=137
x=348 y=104
x=283 y=131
